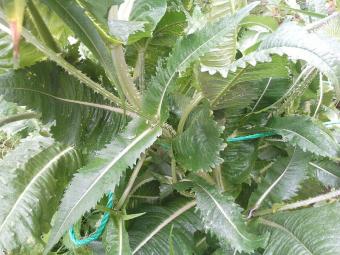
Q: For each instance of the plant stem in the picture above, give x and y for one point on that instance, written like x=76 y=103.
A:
x=124 y=77
x=320 y=98
x=173 y=166
x=265 y=168
x=140 y=184
x=303 y=77
x=17 y=117
x=262 y=94
x=218 y=178
x=41 y=27
x=140 y=66
x=195 y=101
x=299 y=204
x=207 y=177
x=309 y=13
x=132 y=179
x=270 y=188
x=122 y=70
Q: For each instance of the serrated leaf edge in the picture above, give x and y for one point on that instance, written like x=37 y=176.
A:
x=32 y=182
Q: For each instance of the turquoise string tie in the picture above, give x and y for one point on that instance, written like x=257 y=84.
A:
x=250 y=137
x=100 y=230
x=266 y=134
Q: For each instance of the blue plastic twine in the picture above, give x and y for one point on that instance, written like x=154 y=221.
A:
x=266 y=134
x=250 y=137
x=100 y=230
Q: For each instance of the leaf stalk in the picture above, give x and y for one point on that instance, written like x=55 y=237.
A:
x=299 y=204
x=123 y=198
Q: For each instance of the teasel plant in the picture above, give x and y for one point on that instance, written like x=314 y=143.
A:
x=169 y=127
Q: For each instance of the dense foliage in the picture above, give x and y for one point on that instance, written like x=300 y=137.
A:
x=152 y=102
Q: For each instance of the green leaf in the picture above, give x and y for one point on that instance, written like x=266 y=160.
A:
x=220 y=56
x=75 y=17
x=199 y=146
x=101 y=175
x=28 y=54
x=248 y=97
x=171 y=245
x=98 y=13
x=15 y=123
x=165 y=35
x=306 y=231
x=123 y=29
x=186 y=50
x=298 y=44
x=217 y=89
x=326 y=171
x=153 y=237
x=65 y=64
x=148 y=12
x=296 y=90
x=223 y=217
x=6 y=58
x=34 y=175
x=282 y=180
x=318 y=6
x=239 y=160
x=268 y=22
x=329 y=27
x=54 y=23
x=230 y=251
x=195 y=20
x=115 y=238
x=139 y=22
x=308 y=135
x=9 y=110
x=47 y=88
x=99 y=9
